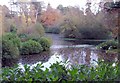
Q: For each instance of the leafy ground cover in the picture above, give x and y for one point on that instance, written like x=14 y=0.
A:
x=58 y=72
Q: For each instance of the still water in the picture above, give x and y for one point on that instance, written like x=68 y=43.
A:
x=75 y=52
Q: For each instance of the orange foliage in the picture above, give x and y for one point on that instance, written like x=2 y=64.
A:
x=49 y=17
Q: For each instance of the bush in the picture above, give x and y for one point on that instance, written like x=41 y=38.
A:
x=71 y=34
x=31 y=47
x=57 y=72
x=38 y=31
x=45 y=43
x=54 y=30
x=39 y=28
x=13 y=29
x=70 y=31
x=34 y=31
x=7 y=24
x=111 y=44
x=24 y=37
x=87 y=30
x=94 y=32
x=9 y=49
x=12 y=37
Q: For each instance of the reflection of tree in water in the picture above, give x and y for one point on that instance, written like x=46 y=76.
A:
x=88 y=54
x=73 y=55
x=31 y=59
x=85 y=55
x=77 y=55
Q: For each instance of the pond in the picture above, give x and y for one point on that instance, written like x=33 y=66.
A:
x=75 y=52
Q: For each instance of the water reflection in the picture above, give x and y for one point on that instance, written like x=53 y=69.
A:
x=53 y=59
x=109 y=57
x=32 y=59
x=75 y=55
x=79 y=55
x=74 y=52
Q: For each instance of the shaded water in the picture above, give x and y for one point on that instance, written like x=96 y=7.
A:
x=73 y=51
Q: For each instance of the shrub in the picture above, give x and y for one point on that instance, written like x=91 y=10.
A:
x=111 y=44
x=71 y=34
x=13 y=29
x=45 y=43
x=12 y=37
x=31 y=47
x=38 y=32
x=7 y=24
x=57 y=72
x=34 y=31
x=94 y=32
x=54 y=30
x=24 y=37
x=9 y=49
x=39 y=28
x=70 y=31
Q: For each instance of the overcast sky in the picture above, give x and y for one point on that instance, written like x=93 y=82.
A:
x=55 y=3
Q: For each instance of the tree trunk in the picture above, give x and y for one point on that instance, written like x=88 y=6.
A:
x=36 y=16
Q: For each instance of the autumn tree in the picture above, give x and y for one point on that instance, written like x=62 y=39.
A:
x=5 y=19
x=1 y=20
x=112 y=19
x=77 y=22
x=28 y=11
x=73 y=19
x=24 y=9
x=109 y=16
x=50 y=16
x=36 y=10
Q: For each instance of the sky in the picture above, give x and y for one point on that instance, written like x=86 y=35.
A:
x=55 y=3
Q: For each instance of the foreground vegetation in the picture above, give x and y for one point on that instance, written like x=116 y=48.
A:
x=58 y=72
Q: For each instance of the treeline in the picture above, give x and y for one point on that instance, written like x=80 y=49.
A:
x=71 y=21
